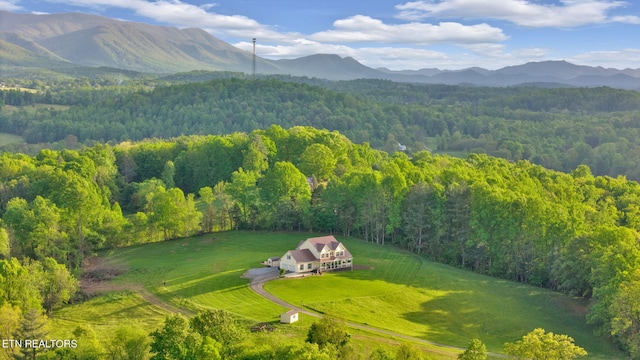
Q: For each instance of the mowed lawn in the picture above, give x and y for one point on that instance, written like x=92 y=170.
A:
x=406 y=294
x=205 y=272
x=400 y=292
x=105 y=313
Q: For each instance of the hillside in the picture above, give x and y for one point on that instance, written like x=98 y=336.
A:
x=205 y=273
x=85 y=40
x=573 y=233
x=90 y=40
x=559 y=128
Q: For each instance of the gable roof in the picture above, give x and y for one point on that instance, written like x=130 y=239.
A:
x=304 y=255
x=322 y=241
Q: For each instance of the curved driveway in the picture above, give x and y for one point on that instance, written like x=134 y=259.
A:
x=260 y=276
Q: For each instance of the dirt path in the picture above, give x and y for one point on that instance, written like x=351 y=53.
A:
x=259 y=278
x=97 y=277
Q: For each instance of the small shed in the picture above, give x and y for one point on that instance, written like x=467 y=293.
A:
x=289 y=317
x=273 y=262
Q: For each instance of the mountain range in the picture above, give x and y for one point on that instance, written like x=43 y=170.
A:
x=59 y=42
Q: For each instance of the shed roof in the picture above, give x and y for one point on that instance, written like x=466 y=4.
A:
x=290 y=312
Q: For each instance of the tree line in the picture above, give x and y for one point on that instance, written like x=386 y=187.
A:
x=572 y=232
x=558 y=128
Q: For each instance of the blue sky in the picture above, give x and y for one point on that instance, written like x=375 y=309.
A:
x=444 y=34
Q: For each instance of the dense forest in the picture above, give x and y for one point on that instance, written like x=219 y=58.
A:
x=558 y=128
x=572 y=232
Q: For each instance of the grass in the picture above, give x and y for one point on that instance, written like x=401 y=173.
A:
x=419 y=298
x=401 y=293
x=105 y=313
x=31 y=109
x=205 y=272
x=7 y=139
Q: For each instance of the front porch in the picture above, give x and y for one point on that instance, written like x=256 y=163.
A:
x=335 y=264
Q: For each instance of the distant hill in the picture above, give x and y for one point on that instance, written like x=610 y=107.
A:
x=317 y=65
x=60 y=41
x=90 y=40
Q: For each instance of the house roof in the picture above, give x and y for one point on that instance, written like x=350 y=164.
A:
x=304 y=255
x=322 y=241
x=274 y=258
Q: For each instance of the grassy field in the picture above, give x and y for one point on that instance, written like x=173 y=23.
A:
x=6 y=139
x=408 y=295
x=399 y=292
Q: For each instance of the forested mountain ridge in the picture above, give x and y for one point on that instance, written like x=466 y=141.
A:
x=575 y=233
x=90 y=40
x=558 y=128
x=53 y=42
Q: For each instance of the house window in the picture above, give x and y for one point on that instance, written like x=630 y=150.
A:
x=301 y=266
x=288 y=257
x=309 y=266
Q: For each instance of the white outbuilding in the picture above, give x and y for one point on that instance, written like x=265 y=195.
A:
x=289 y=317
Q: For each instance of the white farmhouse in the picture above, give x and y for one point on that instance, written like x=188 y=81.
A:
x=317 y=254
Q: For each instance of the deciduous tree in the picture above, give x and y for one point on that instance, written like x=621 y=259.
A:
x=542 y=345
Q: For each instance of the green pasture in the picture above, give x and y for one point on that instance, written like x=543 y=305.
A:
x=105 y=313
x=408 y=295
x=396 y=290
x=7 y=139
x=206 y=272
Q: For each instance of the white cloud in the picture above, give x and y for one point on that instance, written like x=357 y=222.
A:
x=568 y=14
x=182 y=14
x=531 y=53
x=362 y=28
x=9 y=5
x=619 y=59
x=403 y=58
x=296 y=48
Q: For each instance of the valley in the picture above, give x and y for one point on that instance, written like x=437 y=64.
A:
x=492 y=211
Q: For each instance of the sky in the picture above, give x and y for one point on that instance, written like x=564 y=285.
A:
x=398 y=35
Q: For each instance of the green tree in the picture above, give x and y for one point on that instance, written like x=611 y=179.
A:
x=128 y=342
x=423 y=220
x=542 y=345
x=317 y=160
x=208 y=216
x=20 y=287
x=381 y=354
x=625 y=312
x=284 y=181
x=89 y=348
x=5 y=244
x=33 y=326
x=256 y=156
x=20 y=222
x=168 y=173
x=330 y=333
x=10 y=319
x=408 y=352
x=244 y=191
x=173 y=213
x=178 y=341
x=59 y=285
x=476 y=350
x=299 y=352
x=220 y=326
x=169 y=343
